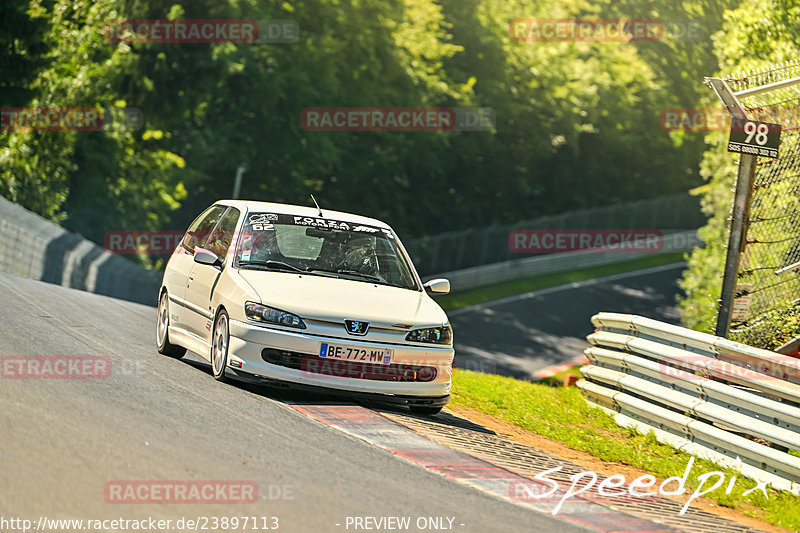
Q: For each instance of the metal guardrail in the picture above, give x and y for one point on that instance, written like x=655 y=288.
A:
x=539 y=265
x=36 y=248
x=720 y=400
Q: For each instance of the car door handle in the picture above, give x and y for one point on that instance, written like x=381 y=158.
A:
x=191 y=280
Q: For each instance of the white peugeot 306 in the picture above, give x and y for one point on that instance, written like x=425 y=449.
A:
x=283 y=294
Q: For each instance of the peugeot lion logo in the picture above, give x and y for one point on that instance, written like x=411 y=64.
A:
x=356 y=327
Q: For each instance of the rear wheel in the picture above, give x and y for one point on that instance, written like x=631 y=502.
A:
x=162 y=331
x=426 y=411
x=219 y=346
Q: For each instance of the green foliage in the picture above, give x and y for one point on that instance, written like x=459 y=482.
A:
x=773 y=329
x=21 y=49
x=577 y=123
x=702 y=280
x=749 y=39
x=93 y=181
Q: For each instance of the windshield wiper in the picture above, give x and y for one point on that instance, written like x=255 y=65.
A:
x=272 y=265
x=280 y=265
x=361 y=275
x=369 y=277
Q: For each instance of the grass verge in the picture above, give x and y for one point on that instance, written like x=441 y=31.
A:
x=450 y=302
x=562 y=414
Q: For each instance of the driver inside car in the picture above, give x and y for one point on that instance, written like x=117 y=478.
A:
x=361 y=256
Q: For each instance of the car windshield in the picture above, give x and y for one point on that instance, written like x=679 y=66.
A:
x=323 y=247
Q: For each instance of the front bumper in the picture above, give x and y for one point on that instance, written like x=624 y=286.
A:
x=248 y=341
x=389 y=399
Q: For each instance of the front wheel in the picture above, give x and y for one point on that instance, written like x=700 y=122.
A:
x=162 y=331
x=219 y=346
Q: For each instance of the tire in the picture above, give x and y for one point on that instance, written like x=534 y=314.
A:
x=162 y=330
x=219 y=346
x=425 y=411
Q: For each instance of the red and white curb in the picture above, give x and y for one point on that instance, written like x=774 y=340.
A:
x=403 y=442
x=551 y=371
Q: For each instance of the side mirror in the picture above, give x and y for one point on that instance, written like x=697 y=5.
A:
x=437 y=286
x=204 y=257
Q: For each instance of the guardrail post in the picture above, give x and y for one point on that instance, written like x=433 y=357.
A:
x=739 y=215
x=736 y=241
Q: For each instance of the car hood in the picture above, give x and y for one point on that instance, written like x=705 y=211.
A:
x=334 y=299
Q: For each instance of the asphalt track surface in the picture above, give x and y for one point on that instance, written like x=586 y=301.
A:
x=519 y=335
x=156 y=418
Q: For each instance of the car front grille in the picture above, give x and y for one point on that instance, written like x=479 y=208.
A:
x=349 y=369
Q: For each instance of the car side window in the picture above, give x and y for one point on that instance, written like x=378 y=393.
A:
x=202 y=226
x=220 y=241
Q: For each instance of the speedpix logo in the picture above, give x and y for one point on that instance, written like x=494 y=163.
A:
x=589 y=486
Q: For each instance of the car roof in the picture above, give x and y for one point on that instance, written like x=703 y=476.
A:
x=298 y=210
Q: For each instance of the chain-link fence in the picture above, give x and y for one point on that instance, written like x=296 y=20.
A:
x=481 y=246
x=768 y=284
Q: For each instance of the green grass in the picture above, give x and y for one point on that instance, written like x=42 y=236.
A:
x=520 y=286
x=563 y=415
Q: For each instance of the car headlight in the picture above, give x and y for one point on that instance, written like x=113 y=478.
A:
x=270 y=315
x=440 y=335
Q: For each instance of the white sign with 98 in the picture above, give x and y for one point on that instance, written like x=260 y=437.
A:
x=754 y=138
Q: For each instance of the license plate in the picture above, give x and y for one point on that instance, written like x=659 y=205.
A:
x=381 y=356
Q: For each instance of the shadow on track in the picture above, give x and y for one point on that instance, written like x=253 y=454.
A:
x=285 y=394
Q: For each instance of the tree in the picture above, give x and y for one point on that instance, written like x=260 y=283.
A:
x=577 y=123
x=749 y=40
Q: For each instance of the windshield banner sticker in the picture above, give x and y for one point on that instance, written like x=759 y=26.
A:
x=266 y=221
